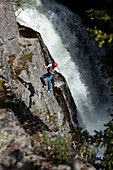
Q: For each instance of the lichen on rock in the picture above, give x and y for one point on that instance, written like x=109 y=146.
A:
x=26 y=110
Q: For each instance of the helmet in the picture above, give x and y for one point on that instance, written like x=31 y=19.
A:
x=55 y=64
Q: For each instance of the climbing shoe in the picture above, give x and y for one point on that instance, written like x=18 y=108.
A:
x=48 y=91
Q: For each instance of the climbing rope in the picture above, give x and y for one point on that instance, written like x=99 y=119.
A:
x=22 y=37
x=41 y=62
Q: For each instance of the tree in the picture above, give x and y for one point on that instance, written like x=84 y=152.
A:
x=105 y=38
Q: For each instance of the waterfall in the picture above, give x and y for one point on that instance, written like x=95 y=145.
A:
x=76 y=54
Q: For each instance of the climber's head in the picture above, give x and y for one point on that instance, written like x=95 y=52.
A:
x=54 y=64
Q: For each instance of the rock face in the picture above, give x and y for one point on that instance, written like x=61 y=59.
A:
x=22 y=71
x=26 y=110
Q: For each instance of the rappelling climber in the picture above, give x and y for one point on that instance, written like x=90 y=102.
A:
x=52 y=69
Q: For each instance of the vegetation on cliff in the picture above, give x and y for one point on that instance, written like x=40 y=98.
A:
x=98 y=17
x=86 y=145
x=102 y=30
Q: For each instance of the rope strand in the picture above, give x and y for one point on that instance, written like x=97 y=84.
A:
x=22 y=37
x=41 y=62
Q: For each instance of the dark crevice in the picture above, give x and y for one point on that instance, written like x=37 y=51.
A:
x=32 y=124
x=30 y=88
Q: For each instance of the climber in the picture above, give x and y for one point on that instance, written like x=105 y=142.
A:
x=52 y=69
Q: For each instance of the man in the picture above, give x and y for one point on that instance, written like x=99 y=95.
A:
x=52 y=69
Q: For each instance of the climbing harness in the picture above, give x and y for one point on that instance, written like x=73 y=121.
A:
x=41 y=62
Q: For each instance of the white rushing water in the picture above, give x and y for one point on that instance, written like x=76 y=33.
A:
x=71 y=47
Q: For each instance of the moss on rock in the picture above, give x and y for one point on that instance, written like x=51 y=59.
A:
x=23 y=64
x=2 y=93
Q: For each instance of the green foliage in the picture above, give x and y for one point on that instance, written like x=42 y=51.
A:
x=105 y=139
x=17 y=3
x=98 y=14
x=106 y=63
x=59 y=149
x=88 y=145
x=104 y=17
x=100 y=36
x=84 y=148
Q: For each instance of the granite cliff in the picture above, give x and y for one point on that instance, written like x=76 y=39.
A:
x=26 y=110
